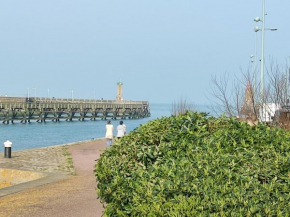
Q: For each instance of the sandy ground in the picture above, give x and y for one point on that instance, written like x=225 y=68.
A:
x=74 y=196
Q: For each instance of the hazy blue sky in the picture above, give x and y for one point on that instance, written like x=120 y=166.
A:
x=162 y=50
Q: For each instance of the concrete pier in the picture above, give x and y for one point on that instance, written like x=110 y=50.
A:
x=24 y=110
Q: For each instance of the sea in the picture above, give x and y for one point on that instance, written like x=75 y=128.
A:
x=36 y=135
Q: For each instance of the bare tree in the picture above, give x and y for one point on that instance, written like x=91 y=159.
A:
x=243 y=98
x=220 y=91
x=227 y=96
x=181 y=107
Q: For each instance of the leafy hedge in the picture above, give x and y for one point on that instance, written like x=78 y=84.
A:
x=195 y=165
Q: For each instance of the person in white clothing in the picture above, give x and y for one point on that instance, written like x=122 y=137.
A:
x=121 y=130
x=109 y=133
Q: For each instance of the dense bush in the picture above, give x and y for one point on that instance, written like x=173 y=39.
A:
x=195 y=165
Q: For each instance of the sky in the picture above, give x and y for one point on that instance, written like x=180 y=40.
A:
x=161 y=50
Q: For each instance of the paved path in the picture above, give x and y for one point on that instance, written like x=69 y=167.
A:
x=74 y=196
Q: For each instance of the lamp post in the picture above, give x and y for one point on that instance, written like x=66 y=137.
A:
x=256 y=29
x=287 y=83
x=253 y=60
x=34 y=88
x=28 y=93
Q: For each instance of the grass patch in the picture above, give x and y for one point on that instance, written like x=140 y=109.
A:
x=69 y=162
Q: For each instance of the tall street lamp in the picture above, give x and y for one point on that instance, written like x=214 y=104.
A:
x=256 y=29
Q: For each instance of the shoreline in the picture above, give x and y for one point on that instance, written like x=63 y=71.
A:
x=55 y=146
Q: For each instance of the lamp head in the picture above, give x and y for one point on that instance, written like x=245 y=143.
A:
x=257 y=19
x=256 y=29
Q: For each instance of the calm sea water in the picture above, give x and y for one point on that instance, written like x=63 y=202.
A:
x=35 y=135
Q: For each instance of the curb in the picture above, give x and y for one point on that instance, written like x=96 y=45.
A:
x=49 y=178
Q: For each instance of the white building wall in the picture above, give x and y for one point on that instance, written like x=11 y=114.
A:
x=269 y=110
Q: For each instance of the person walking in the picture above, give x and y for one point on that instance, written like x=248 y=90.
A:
x=121 y=130
x=109 y=133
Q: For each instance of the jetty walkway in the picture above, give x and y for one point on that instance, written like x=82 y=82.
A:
x=66 y=191
x=41 y=109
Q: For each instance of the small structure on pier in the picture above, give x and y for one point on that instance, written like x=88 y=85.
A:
x=119 y=91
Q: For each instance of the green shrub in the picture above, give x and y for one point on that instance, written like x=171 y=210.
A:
x=195 y=165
